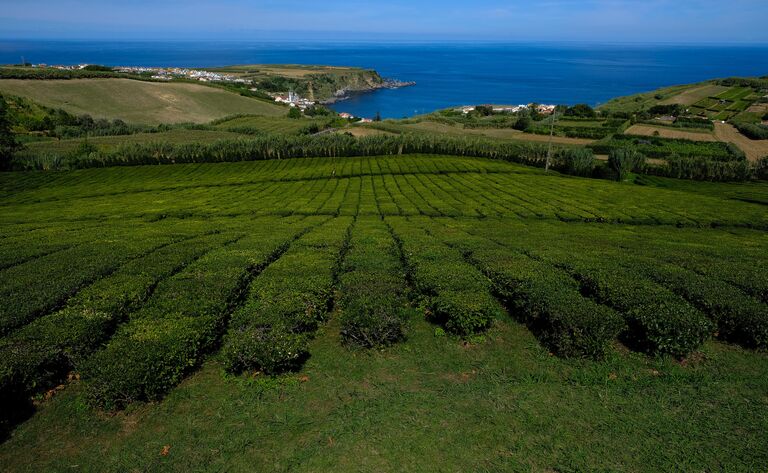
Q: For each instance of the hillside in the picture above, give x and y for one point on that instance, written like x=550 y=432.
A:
x=139 y=101
x=317 y=83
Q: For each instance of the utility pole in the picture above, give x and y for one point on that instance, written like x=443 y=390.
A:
x=551 y=135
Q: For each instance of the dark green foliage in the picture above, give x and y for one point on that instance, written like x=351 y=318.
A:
x=580 y=110
x=40 y=354
x=704 y=170
x=739 y=318
x=577 y=161
x=373 y=300
x=663 y=148
x=318 y=111
x=523 y=122
x=183 y=320
x=29 y=290
x=96 y=67
x=286 y=302
x=671 y=109
x=624 y=161
x=761 y=168
x=456 y=294
x=548 y=301
x=294 y=112
x=8 y=142
x=484 y=110
x=753 y=131
x=658 y=321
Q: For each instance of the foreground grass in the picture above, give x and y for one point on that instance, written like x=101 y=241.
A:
x=139 y=102
x=431 y=404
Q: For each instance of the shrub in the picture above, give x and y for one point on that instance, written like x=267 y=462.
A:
x=271 y=348
x=580 y=110
x=624 y=161
x=658 y=321
x=761 y=168
x=294 y=112
x=289 y=299
x=577 y=161
x=753 y=131
x=549 y=303
x=457 y=295
x=373 y=289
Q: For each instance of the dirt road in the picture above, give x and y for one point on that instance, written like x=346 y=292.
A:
x=754 y=149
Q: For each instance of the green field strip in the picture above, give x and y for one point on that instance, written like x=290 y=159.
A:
x=456 y=294
x=351 y=200
x=30 y=290
x=39 y=355
x=406 y=206
x=183 y=320
x=287 y=302
x=484 y=206
x=504 y=190
x=546 y=299
x=426 y=193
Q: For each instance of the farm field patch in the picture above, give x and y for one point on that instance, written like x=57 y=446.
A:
x=138 y=102
x=669 y=132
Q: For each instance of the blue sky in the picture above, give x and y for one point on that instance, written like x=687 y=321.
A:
x=675 y=21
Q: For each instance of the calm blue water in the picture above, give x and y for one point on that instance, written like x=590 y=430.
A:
x=447 y=74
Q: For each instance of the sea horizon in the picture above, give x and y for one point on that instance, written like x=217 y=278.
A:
x=447 y=73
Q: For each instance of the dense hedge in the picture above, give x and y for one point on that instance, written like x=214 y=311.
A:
x=546 y=299
x=753 y=131
x=740 y=319
x=658 y=321
x=183 y=320
x=373 y=300
x=26 y=291
x=40 y=354
x=329 y=145
x=663 y=148
x=286 y=303
x=455 y=294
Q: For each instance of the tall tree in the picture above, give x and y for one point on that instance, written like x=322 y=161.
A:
x=8 y=143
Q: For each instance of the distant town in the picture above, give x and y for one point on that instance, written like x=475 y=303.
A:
x=542 y=109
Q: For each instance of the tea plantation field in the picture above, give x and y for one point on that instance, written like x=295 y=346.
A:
x=401 y=313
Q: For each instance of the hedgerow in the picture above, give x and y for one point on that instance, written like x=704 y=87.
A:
x=658 y=321
x=39 y=355
x=546 y=299
x=286 y=303
x=456 y=294
x=739 y=318
x=31 y=289
x=752 y=131
x=373 y=290
x=182 y=321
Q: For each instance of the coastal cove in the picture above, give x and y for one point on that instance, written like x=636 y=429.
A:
x=446 y=74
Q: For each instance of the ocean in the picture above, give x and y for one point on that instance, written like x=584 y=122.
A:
x=447 y=74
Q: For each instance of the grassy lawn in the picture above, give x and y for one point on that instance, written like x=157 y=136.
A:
x=139 y=102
